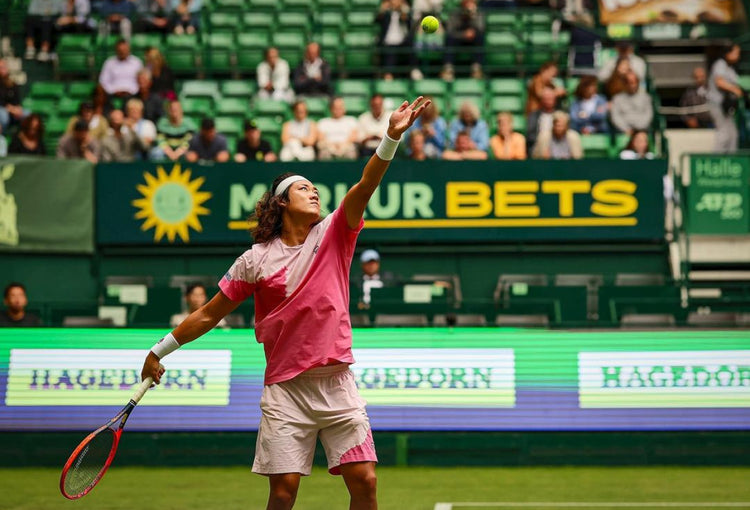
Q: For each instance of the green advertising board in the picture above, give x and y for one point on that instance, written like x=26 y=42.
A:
x=718 y=195
x=417 y=201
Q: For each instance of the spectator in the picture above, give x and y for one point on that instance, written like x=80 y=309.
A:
x=298 y=135
x=121 y=144
x=421 y=8
x=624 y=52
x=153 y=103
x=372 y=277
x=11 y=111
x=416 y=146
x=253 y=147
x=540 y=121
x=638 y=147
x=30 y=138
x=174 y=133
x=78 y=144
x=465 y=30
x=541 y=81
x=372 y=125
x=195 y=297
x=155 y=16
x=506 y=144
x=616 y=82
x=119 y=72
x=588 y=113
x=464 y=149
x=144 y=129
x=724 y=93
x=40 y=22
x=434 y=128
x=337 y=134
x=75 y=17
x=273 y=77
x=15 y=314
x=312 y=77
x=101 y=102
x=116 y=16
x=97 y=123
x=696 y=98
x=186 y=16
x=560 y=142
x=395 y=37
x=632 y=109
x=162 y=79
x=207 y=145
x=468 y=120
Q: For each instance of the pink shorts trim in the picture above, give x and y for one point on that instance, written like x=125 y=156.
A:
x=364 y=452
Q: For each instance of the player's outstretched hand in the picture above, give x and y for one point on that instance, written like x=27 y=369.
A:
x=404 y=117
x=152 y=368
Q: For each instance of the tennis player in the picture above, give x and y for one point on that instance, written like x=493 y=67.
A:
x=298 y=270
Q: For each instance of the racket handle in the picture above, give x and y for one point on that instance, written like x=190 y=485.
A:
x=142 y=389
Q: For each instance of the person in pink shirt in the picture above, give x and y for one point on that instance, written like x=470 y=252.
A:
x=298 y=270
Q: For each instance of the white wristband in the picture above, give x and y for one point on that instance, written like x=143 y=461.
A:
x=165 y=346
x=387 y=148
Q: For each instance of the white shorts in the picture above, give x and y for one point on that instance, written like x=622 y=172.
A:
x=322 y=401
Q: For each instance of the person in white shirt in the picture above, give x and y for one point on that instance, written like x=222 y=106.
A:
x=298 y=135
x=195 y=297
x=337 y=134
x=273 y=77
x=119 y=73
x=624 y=50
x=372 y=125
x=144 y=129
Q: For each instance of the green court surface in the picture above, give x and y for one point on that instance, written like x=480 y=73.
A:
x=411 y=488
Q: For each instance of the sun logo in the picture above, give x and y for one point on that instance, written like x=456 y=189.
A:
x=171 y=203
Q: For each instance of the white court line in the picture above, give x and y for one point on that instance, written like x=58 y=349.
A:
x=603 y=504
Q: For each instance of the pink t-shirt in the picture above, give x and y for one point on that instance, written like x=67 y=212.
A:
x=301 y=297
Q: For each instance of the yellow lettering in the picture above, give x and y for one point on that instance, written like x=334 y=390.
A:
x=614 y=197
x=467 y=199
x=516 y=199
x=565 y=191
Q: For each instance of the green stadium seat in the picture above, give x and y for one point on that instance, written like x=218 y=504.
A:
x=223 y=22
x=571 y=84
x=140 y=42
x=596 y=145
x=47 y=89
x=469 y=87
x=317 y=107
x=181 y=51
x=263 y=5
x=270 y=126
x=294 y=21
x=355 y=105
x=360 y=20
x=539 y=21
x=270 y=108
x=197 y=106
x=458 y=100
x=233 y=107
x=81 y=89
x=519 y=123
x=229 y=126
x=56 y=126
x=506 y=104
x=502 y=22
x=304 y=6
x=359 y=47
x=502 y=50
x=622 y=140
x=43 y=106
x=441 y=104
x=291 y=45
x=332 y=5
x=744 y=82
x=258 y=21
x=231 y=143
x=218 y=56
x=74 y=54
x=200 y=88
x=349 y=87
x=399 y=88
x=367 y=5
x=331 y=19
x=429 y=87
x=68 y=106
x=251 y=47
x=506 y=87
x=238 y=88
x=541 y=48
x=231 y=6
x=330 y=43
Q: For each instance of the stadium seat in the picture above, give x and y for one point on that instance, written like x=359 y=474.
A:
x=229 y=6
x=233 y=107
x=354 y=88
x=330 y=44
x=294 y=21
x=229 y=126
x=197 y=106
x=506 y=87
x=367 y=5
x=200 y=88
x=468 y=87
x=263 y=5
x=355 y=105
x=47 y=89
x=498 y=21
x=398 y=88
x=360 y=21
x=74 y=54
x=332 y=5
x=271 y=108
x=291 y=45
x=595 y=145
x=430 y=87
x=519 y=123
x=506 y=104
x=181 y=51
x=56 y=126
x=502 y=50
x=251 y=47
x=218 y=55
x=81 y=89
x=140 y=42
x=237 y=88
x=68 y=106
x=317 y=107
x=331 y=19
x=256 y=22
x=42 y=106
x=223 y=22
x=457 y=101
x=359 y=47
x=270 y=126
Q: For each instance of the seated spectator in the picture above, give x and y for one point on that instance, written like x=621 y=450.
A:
x=144 y=129
x=638 y=147
x=312 y=77
x=11 y=111
x=632 y=110
x=97 y=123
x=155 y=16
x=116 y=16
x=616 y=82
x=119 y=72
x=433 y=127
x=395 y=38
x=371 y=277
x=153 y=103
x=372 y=125
x=624 y=52
x=273 y=77
x=174 y=133
x=15 y=314
x=162 y=79
x=253 y=147
x=540 y=121
x=416 y=146
x=78 y=144
x=696 y=98
x=560 y=142
x=40 y=23
x=75 y=17
x=465 y=149
x=465 y=30
x=298 y=135
x=186 y=16
x=541 y=81
x=207 y=145
x=468 y=120
x=337 y=134
x=507 y=144
x=30 y=138
x=195 y=297
x=120 y=144
x=588 y=113
x=102 y=102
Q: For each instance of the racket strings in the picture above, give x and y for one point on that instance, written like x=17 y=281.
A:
x=89 y=463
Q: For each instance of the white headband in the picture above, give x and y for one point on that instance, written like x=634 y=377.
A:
x=283 y=185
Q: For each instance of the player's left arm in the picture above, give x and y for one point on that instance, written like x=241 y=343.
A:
x=357 y=197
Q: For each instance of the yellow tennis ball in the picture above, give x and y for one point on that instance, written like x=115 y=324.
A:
x=430 y=24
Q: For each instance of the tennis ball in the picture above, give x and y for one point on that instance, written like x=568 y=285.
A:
x=430 y=24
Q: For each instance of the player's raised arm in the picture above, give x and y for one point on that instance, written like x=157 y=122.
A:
x=356 y=199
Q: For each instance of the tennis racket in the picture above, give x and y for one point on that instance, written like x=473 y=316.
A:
x=91 y=459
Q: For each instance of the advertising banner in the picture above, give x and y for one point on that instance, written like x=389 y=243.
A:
x=148 y=204
x=642 y=12
x=718 y=196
